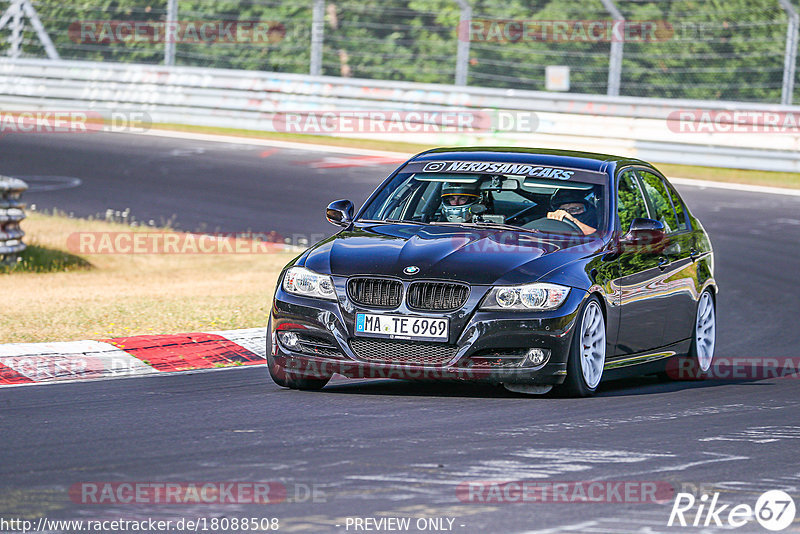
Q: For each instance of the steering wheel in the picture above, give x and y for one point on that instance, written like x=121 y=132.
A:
x=555 y=226
x=522 y=212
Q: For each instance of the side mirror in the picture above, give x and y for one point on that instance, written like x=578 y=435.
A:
x=340 y=213
x=644 y=232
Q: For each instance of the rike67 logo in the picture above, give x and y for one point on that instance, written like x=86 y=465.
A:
x=774 y=510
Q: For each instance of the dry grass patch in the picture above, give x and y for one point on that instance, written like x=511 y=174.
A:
x=121 y=295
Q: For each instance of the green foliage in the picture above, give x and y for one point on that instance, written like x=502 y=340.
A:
x=708 y=49
x=631 y=203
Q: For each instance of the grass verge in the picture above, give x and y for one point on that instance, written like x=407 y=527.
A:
x=112 y=295
x=739 y=176
x=39 y=259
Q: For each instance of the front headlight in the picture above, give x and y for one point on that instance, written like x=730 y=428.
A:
x=306 y=283
x=537 y=296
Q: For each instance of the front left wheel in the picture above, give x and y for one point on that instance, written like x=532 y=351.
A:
x=587 y=355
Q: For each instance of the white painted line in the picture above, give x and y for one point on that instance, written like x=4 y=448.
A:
x=72 y=360
x=140 y=375
x=737 y=187
x=219 y=138
x=252 y=339
x=58 y=348
x=79 y=361
x=310 y=147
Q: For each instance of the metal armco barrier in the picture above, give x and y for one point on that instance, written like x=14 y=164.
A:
x=636 y=127
x=11 y=213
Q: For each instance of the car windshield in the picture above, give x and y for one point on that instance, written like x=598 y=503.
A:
x=534 y=204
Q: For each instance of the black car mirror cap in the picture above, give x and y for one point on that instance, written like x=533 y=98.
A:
x=340 y=213
x=644 y=232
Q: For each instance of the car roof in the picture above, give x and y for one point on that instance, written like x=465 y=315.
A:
x=589 y=161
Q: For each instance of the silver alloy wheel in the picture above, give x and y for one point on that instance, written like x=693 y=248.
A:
x=593 y=345
x=705 y=331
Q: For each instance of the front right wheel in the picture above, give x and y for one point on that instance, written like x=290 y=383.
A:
x=587 y=355
x=285 y=379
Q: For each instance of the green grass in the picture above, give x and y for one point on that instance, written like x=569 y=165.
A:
x=38 y=259
x=738 y=176
x=369 y=144
x=741 y=176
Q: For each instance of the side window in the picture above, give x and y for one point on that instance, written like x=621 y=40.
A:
x=429 y=200
x=659 y=200
x=630 y=204
x=680 y=211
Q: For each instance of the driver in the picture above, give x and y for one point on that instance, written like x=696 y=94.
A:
x=571 y=204
x=457 y=199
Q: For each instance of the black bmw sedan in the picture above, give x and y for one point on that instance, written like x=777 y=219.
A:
x=529 y=268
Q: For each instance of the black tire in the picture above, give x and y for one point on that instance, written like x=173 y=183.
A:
x=276 y=372
x=279 y=375
x=308 y=384
x=575 y=384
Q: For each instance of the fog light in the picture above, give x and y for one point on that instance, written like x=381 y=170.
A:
x=288 y=339
x=536 y=357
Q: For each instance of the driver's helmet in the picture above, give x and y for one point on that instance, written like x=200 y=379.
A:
x=587 y=214
x=457 y=199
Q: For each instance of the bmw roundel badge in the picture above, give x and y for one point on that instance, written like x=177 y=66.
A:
x=411 y=269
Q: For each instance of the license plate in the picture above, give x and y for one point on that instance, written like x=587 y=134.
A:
x=402 y=326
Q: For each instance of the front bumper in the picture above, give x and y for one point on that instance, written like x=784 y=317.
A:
x=475 y=337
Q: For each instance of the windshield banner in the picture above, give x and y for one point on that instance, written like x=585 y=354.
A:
x=502 y=167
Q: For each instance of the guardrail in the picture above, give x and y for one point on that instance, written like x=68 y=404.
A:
x=628 y=126
x=11 y=213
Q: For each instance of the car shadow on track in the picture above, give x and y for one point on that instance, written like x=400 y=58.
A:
x=642 y=385
x=650 y=385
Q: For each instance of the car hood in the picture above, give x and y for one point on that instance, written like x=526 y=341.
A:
x=478 y=256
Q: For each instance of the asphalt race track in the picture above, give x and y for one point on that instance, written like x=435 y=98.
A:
x=193 y=185
x=378 y=448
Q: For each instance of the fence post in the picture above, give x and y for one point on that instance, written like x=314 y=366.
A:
x=169 y=44
x=790 y=56
x=462 y=34
x=317 y=37
x=11 y=213
x=15 y=40
x=49 y=47
x=615 y=56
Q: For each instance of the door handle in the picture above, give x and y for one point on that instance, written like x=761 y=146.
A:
x=662 y=263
